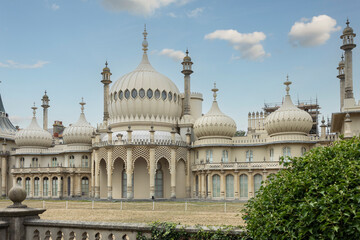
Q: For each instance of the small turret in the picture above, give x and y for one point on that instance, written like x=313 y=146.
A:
x=106 y=81
x=187 y=71
x=45 y=105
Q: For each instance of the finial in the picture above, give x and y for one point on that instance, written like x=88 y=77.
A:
x=45 y=92
x=106 y=63
x=287 y=84
x=145 y=43
x=347 y=22
x=214 y=90
x=342 y=57
x=34 y=109
x=82 y=103
x=187 y=52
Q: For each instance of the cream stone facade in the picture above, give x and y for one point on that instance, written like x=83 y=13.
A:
x=155 y=142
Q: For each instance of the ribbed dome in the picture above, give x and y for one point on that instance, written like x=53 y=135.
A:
x=214 y=124
x=33 y=135
x=144 y=93
x=288 y=118
x=80 y=132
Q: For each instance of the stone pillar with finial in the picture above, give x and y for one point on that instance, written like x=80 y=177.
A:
x=347 y=127
x=187 y=71
x=341 y=77
x=45 y=105
x=106 y=81
x=323 y=128
x=3 y=169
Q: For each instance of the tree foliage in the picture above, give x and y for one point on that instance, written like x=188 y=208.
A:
x=316 y=197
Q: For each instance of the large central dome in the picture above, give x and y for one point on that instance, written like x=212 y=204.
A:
x=144 y=95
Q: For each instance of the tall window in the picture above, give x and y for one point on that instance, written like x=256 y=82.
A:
x=84 y=161
x=36 y=187
x=22 y=162
x=225 y=156
x=243 y=186
x=27 y=186
x=84 y=186
x=216 y=185
x=209 y=156
x=249 y=155
x=197 y=185
x=303 y=151
x=159 y=193
x=257 y=182
x=54 y=186
x=286 y=153
x=71 y=161
x=19 y=181
x=124 y=184
x=229 y=186
x=45 y=187
x=34 y=162
x=54 y=162
x=271 y=154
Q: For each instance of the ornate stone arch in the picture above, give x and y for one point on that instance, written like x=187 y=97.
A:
x=186 y=167
x=140 y=151
x=113 y=163
x=162 y=152
x=181 y=153
x=119 y=152
x=98 y=166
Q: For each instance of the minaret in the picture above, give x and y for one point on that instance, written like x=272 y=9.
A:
x=106 y=81
x=45 y=105
x=341 y=76
x=348 y=45
x=187 y=64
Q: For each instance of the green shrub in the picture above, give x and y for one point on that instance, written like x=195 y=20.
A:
x=316 y=197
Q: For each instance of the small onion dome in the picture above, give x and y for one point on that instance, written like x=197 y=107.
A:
x=214 y=124
x=79 y=132
x=33 y=135
x=342 y=62
x=187 y=58
x=288 y=118
x=348 y=29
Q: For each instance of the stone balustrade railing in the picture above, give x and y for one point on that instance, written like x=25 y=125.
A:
x=237 y=165
x=26 y=170
x=140 y=142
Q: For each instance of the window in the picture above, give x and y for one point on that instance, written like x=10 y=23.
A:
x=84 y=161
x=303 y=151
x=216 y=185
x=115 y=96
x=163 y=95
x=209 y=156
x=54 y=186
x=197 y=155
x=170 y=96
x=149 y=93
x=142 y=93
x=27 y=186
x=271 y=154
x=175 y=97
x=34 y=162
x=121 y=95
x=127 y=94
x=229 y=186
x=124 y=184
x=249 y=155
x=54 y=162
x=224 y=156
x=286 y=153
x=22 y=162
x=19 y=181
x=197 y=186
x=157 y=94
x=134 y=93
x=257 y=183
x=159 y=193
x=243 y=186
x=45 y=187
x=36 y=187
x=71 y=161
x=84 y=186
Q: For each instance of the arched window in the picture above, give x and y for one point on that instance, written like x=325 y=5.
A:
x=127 y=94
x=163 y=95
x=175 y=97
x=209 y=156
x=115 y=96
x=124 y=184
x=216 y=185
x=197 y=185
x=157 y=94
x=34 y=162
x=303 y=151
x=170 y=96
x=225 y=157
x=121 y=95
x=54 y=162
x=45 y=187
x=159 y=188
x=229 y=186
x=249 y=155
x=243 y=186
x=54 y=189
x=22 y=162
x=142 y=93
x=84 y=161
x=85 y=186
x=271 y=154
x=71 y=161
x=36 y=186
x=149 y=93
x=286 y=153
x=134 y=93
x=19 y=181
x=27 y=186
x=257 y=182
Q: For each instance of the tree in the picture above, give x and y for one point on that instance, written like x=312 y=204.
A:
x=239 y=133
x=316 y=196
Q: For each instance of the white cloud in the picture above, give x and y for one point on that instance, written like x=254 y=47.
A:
x=140 y=7
x=54 y=6
x=173 y=54
x=247 y=43
x=13 y=64
x=314 y=32
x=171 y=14
x=195 y=13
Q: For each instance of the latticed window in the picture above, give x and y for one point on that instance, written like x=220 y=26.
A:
x=225 y=155
x=19 y=181
x=209 y=156
x=54 y=186
x=159 y=187
x=46 y=187
x=84 y=186
x=84 y=161
x=243 y=186
x=286 y=153
x=27 y=186
x=22 y=162
x=34 y=162
x=71 y=161
x=249 y=155
x=36 y=186
x=271 y=154
x=229 y=186
x=303 y=151
x=257 y=182
x=216 y=185
x=54 y=162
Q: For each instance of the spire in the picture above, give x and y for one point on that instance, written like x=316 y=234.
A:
x=347 y=22
x=34 y=110
x=82 y=103
x=145 y=43
x=215 y=90
x=287 y=84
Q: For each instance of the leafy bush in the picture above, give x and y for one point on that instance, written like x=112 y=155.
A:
x=316 y=197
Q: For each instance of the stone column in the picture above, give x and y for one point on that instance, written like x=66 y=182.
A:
x=92 y=181
x=41 y=186
x=59 y=186
x=72 y=185
x=188 y=175
x=236 y=185
x=173 y=172
x=152 y=172
x=348 y=74
x=251 y=184
x=129 y=173
x=194 y=186
x=31 y=195
x=3 y=176
x=97 y=177
x=109 y=173
x=50 y=187
x=202 y=192
x=210 y=186
x=222 y=185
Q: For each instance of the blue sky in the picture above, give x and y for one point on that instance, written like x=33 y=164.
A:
x=247 y=47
